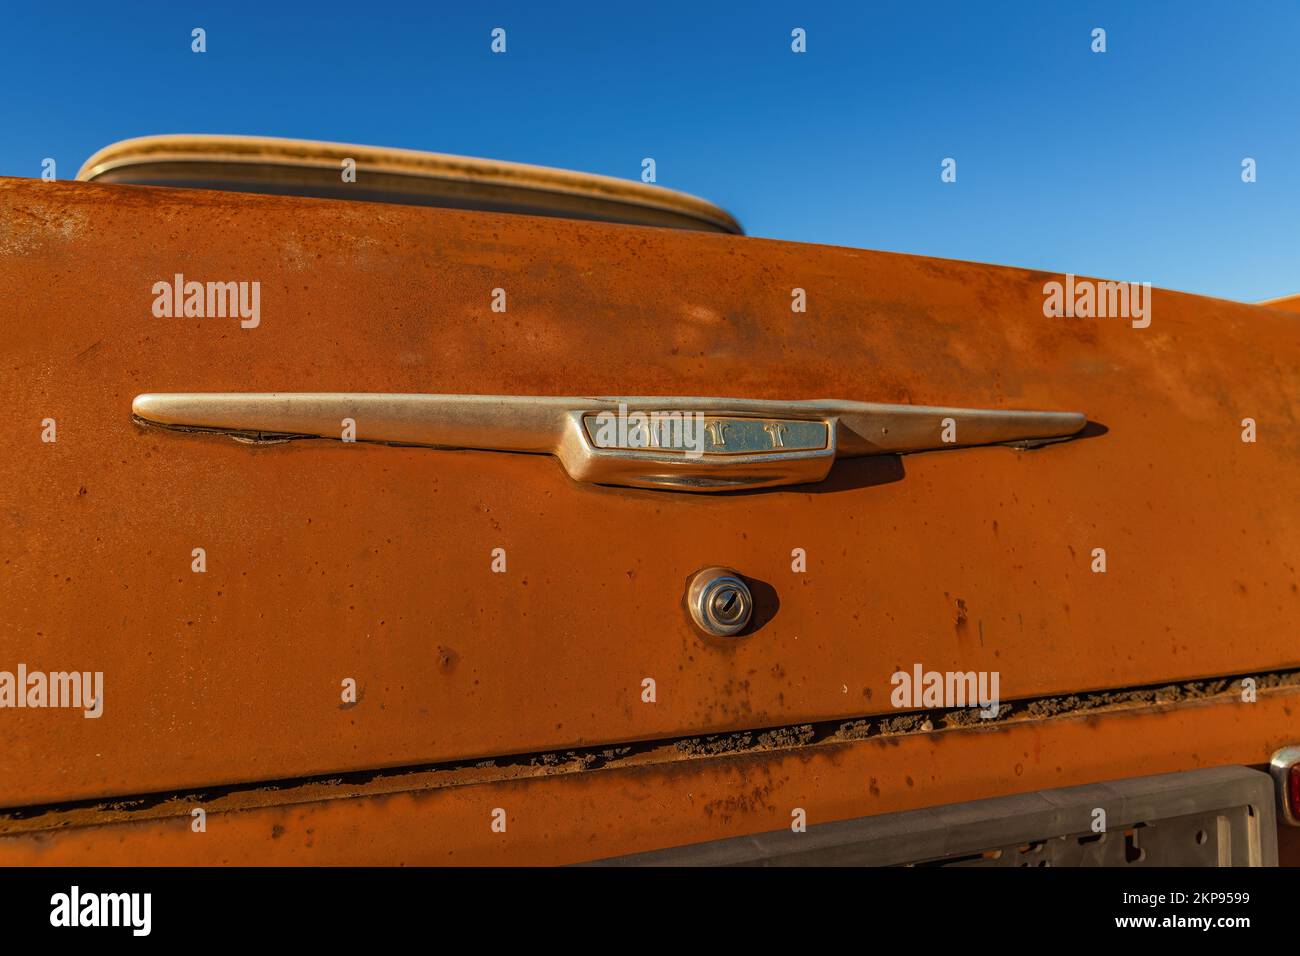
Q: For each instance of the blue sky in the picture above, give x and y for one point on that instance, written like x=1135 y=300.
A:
x=1125 y=164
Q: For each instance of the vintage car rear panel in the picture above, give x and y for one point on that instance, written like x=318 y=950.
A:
x=600 y=804
x=328 y=560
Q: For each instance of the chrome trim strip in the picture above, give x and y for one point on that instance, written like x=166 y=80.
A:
x=561 y=426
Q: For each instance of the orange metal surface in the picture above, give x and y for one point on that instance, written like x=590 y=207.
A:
x=1287 y=303
x=327 y=561
x=585 y=815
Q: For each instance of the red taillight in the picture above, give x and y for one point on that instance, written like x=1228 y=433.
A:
x=1285 y=768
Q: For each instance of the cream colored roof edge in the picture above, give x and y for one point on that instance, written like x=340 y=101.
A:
x=185 y=147
x=1277 y=300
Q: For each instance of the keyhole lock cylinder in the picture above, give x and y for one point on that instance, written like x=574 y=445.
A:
x=719 y=601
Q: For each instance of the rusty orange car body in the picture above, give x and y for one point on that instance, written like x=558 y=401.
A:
x=522 y=694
